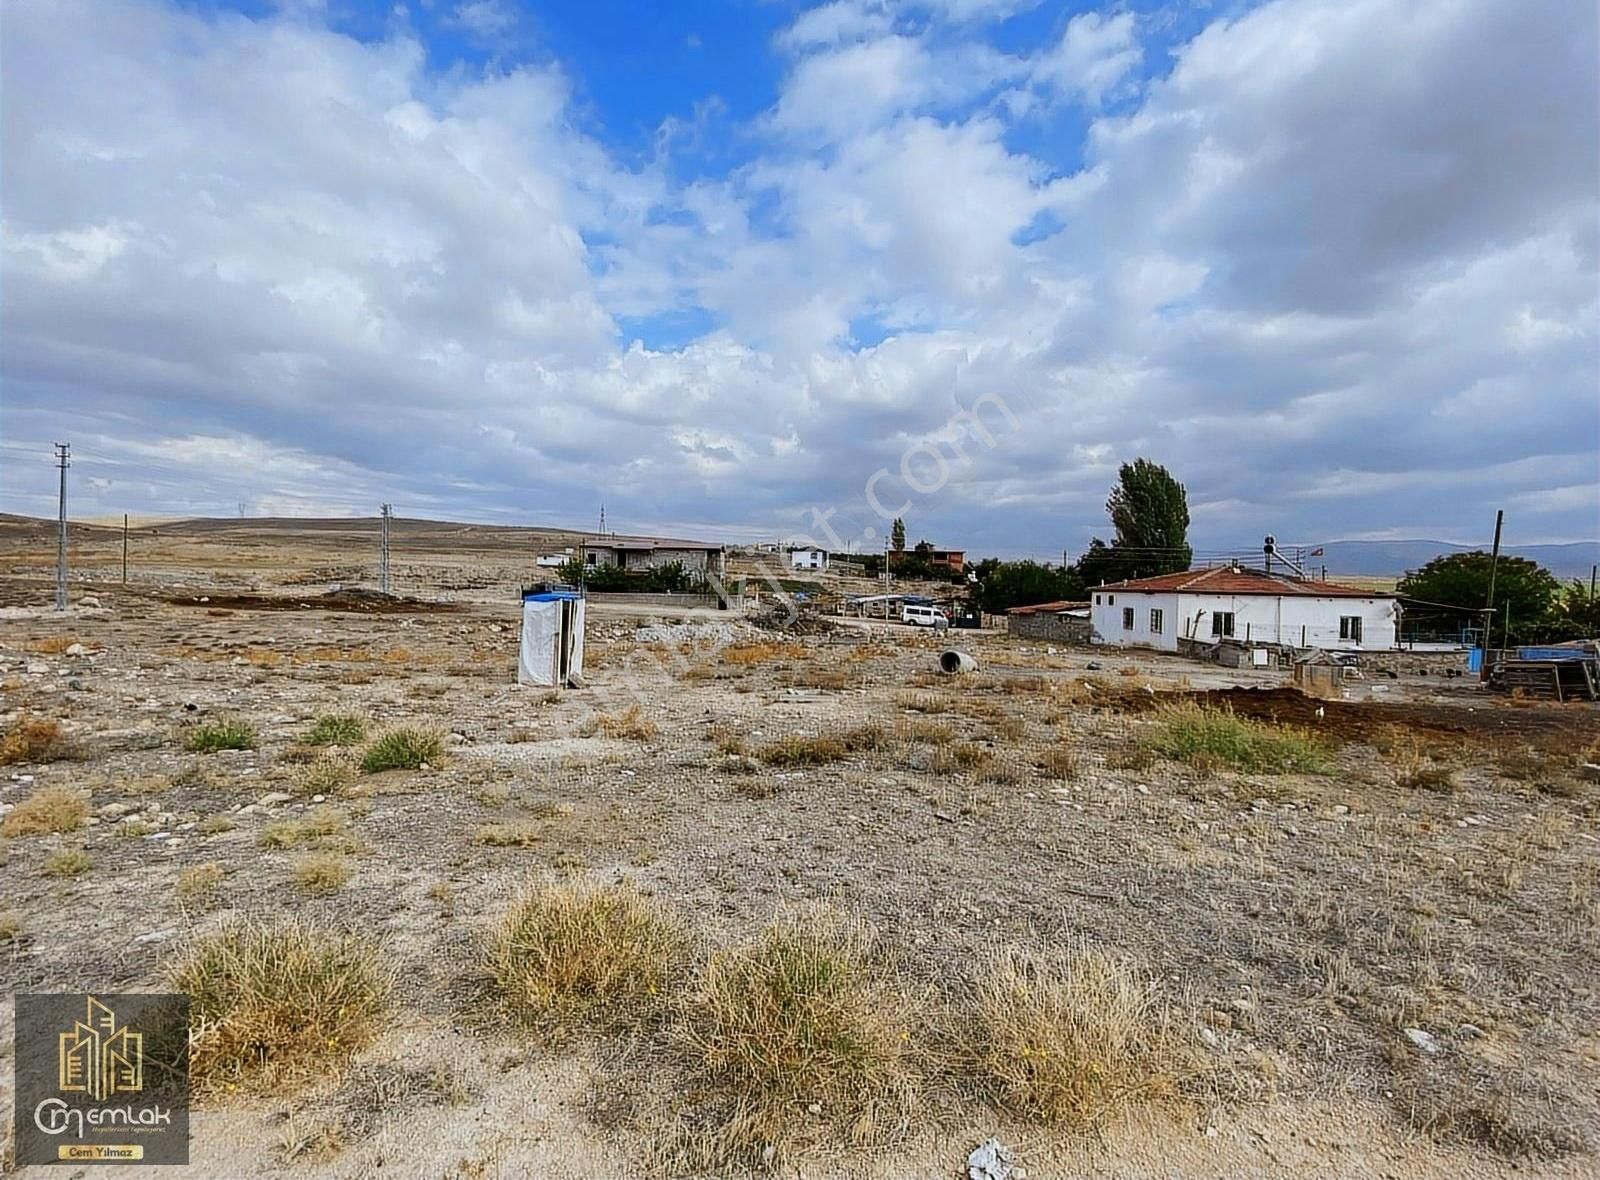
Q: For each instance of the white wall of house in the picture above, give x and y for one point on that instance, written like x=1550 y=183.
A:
x=1108 y=613
x=1294 y=620
x=808 y=559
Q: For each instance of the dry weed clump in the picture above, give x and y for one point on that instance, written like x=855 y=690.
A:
x=405 y=748
x=32 y=739
x=1061 y=761
x=1513 y=1113
x=798 y=1037
x=10 y=927
x=198 y=887
x=320 y=873
x=1210 y=737
x=727 y=739
x=923 y=731
x=318 y=827
x=52 y=645
x=67 y=862
x=583 y=956
x=1073 y=1038
x=329 y=773
x=273 y=1005
x=47 y=811
x=230 y=734
x=507 y=835
x=746 y=654
x=630 y=725
x=1415 y=771
x=795 y=750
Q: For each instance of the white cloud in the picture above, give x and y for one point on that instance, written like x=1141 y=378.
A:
x=839 y=21
x=484 y=18
x=1342 y=258
x=1094 y=55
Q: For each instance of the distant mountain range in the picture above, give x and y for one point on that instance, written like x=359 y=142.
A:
x=1383 y=558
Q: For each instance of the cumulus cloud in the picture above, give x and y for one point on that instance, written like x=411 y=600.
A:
x=1334 y=263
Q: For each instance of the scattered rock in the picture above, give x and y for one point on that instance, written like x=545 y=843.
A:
x=115 y=810
x=1423 y=1040
x=156 y=935
x=991 y=1160
x=77 y=649
x=1469 y=1032
x=274 y=799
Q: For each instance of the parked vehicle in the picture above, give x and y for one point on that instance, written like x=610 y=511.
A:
x=924 y=616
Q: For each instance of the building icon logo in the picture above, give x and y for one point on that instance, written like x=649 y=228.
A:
x=100 y=1058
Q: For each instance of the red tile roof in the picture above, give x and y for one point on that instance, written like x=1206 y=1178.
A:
x=1227 y=580
x=1047 y=608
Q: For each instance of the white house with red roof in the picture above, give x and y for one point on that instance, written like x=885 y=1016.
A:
x=1250 y=606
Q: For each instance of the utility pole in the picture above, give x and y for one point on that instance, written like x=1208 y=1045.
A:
x=383 y=548
x=63 y=454
x=124 y=548
x=1494 y=564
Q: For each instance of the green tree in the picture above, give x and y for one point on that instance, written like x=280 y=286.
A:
x=1099 y=564
x=1150 y=512
x=1462 y=579
x=1576 y=614
x=1022 y=583
x=897 y=535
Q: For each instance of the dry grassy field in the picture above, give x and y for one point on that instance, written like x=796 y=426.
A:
x=752 y=901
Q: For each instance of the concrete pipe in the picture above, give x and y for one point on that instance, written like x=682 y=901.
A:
x=952 y=662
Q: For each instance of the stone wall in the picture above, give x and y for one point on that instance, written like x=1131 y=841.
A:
x=628 y=597
x=1049 y=627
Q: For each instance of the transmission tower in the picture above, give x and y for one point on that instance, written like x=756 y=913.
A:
x=383 y=548
x=63 y=451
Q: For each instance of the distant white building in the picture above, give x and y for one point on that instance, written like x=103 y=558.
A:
x=808 y=558
x=1246 y=605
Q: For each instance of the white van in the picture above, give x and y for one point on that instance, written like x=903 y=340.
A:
x=924 y=616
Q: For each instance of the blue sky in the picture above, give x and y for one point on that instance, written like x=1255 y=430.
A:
x=735 y=268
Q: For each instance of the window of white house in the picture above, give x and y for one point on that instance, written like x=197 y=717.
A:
x=1098 y=599
x=1155 y=622
x=1222 y=622
x=1111 y=600
x=1127 y=618
x=1350 y=628
x=591 y=558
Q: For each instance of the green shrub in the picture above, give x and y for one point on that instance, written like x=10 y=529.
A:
x=337 y=729
x=1205 y=736
x=402 y=749
x=221 y=735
